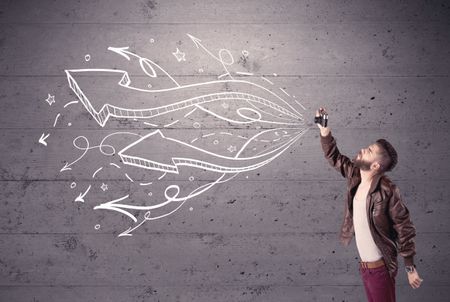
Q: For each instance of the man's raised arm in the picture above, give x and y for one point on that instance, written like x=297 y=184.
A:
x=340 y=162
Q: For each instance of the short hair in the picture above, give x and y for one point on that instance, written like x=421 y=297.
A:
x=388 y=154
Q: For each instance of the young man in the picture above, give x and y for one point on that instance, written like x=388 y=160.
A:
x=375 y=214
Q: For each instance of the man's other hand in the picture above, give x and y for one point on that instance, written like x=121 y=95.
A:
x=414 y=279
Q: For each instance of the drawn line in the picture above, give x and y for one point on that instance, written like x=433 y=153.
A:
x=162 y=175
x=69 y=103
x=299 y=104
x=98 y=170
x=209 y=134
x=190 y=112
x=284 y=91
x=129 y=178
x=150 y=124
x=145 y=183
x=170 y=124
x=115 y=165
x=56 y=119
x=267 y=80
x=244 y=73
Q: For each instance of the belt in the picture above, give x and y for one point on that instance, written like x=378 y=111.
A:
x=373 y=264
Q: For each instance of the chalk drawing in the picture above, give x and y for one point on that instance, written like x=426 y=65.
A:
x=43 y=138
x=104 y=187
x=180 y=56
x=82 y=195
x=270 y=122
x=50 y=99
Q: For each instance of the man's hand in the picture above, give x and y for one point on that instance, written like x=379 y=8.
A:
x=324 y=131
x=414 y=279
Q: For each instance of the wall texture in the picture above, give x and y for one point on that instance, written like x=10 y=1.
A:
x=381 y=68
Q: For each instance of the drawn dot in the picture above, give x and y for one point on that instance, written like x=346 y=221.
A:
x=69 y=124
x=245 y=53
x=191 y=178
x=149 y=86
x=97 y=226
x=73 y=185
x=246 y=176
x=196 y=125
x=191 y=209
x=200 y=70
x=152 y=40
x=150 y=194
x=275 y=74
x=87 y=57
x=215 y=142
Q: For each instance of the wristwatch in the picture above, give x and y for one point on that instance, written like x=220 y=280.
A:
x=410 y=268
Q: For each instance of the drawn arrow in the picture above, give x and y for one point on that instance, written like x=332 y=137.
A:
x=136 y=154
x=147 y=65
x=66 y=167
x=81 y=196
x=43 y=138
x=200 y=45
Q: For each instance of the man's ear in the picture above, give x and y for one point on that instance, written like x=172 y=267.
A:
x=375 y=165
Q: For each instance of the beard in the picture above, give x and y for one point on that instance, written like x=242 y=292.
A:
x=361 y=164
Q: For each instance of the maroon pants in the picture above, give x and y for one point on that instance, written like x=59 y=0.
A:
x=379 y=285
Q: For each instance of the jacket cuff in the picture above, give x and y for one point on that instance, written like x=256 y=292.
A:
x=327 y=138
x=409 y=260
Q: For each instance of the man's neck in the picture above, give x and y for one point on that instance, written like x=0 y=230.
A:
x=367 y=177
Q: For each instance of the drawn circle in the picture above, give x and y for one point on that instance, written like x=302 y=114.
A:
x=245 y=53
x=87 y=57
x=196 y=125
x=147 y=67
x=191 y=178
x=215 y=142
x=228 y=56
x=149 y=86
x=73 y=185
x=241 y=113
x=152 y=40
x=191 y=209
x=149 y=193
x=173 y=196
x=97 y=226
x=147 y=215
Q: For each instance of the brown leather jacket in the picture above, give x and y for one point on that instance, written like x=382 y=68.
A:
x=389 y=219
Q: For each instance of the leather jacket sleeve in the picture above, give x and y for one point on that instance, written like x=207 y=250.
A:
x=340 y=162
x=403 y=226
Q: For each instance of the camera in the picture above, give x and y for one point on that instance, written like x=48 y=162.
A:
x=322 y=119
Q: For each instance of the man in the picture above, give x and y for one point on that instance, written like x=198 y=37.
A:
x=375 y=214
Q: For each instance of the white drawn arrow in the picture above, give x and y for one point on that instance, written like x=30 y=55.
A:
x=81 y=196
x=147 y=65
x=43 y=138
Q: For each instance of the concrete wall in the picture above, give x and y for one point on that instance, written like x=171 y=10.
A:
x=270 y=234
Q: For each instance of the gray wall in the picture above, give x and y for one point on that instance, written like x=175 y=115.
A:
x=382 y=70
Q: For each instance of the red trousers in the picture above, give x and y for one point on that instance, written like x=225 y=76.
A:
x=379 y=285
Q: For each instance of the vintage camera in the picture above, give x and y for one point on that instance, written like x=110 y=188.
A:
x=322 y=119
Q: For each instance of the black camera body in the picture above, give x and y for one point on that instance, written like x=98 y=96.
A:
x=322 y=119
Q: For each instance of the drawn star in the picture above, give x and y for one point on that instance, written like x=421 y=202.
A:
x=179 y=55
x=231 y=148
x=104 y=187
x=50 y=99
